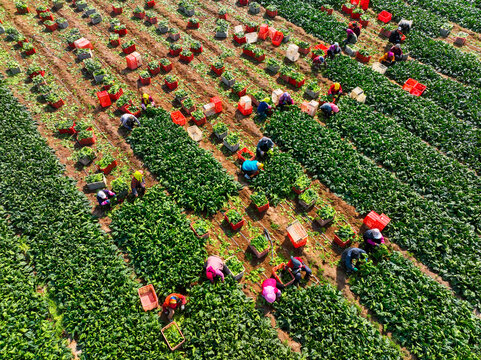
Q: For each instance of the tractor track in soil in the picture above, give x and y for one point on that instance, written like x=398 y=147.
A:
x=119 y=141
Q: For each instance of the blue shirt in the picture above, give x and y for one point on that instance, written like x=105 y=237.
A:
x=326 y=107
x=352 y=252
x=250 y=165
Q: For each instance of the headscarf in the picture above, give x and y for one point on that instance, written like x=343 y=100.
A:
x=376 y=234
x=269 y=294
x=145 y=98
x=209 y=272
x=334 y=108
x=390 y=54
x=101 y=194
x=337 y=86
x=260 y=165
x=139 y=174
x=349 y=32
x=398 y=46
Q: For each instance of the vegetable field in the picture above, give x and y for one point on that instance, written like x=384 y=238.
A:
x=84 y=277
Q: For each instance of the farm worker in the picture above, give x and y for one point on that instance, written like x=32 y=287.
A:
x=104 y=196
x=251 y=168
x=128 y=121
x=333 y=50
x=263 y=108
x=372 y=239
x=351 y=37
x=296 y=264
x=329 y=109
x=354 y=26
x=318 y=61
x=173 y=302
x=396 y=36
x=349 y=256
x=146 y=101
x=214 y=266
x=397 y=51
x=335 y=90
x=138 y=182
x=270 y=290
x=285 y=100
x=264 y=146
x=405 y=26
x=387 y=59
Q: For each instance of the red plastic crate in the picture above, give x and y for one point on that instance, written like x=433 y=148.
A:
x=117 y=11
x=244 y=111
x=109 y=168
x=104 y=98
x=129 y=49
x=371 y=220
x=140 y=15
x=240 y=40
x=150 y=3
x=205 y=236
x=134 y=60
x=30 y=52
x=297 y=234
x=277 y=38
x=115 y=97
x=70 y=130
x=243 y=151
x=218 y=72
x=197 y=51
x=281 y=267
x=166 y=68
x=175 y=52
x=321 y=47
x=384 y=16
x=145 y=81
x=200 y=121
x=341 y=243
x=57 y=104
x=88 y=141
x=171 y=86
x=121 y=32
x=234 y=226
x=177 y=118
x=148 y=297
x=409 y=84
x=51 y=27
x=36 y=73
x=193 y=26
x=346 y=10
x=263 y=207
x=418 y=88
x=217 y=103
x=383 y=221
x=83 y=43
x=187 y=59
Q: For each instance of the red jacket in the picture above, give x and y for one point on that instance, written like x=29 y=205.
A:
x=291 y=264
x=333 y=91
x=181 y=300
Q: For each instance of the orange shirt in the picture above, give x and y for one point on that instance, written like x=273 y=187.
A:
x=181 y=300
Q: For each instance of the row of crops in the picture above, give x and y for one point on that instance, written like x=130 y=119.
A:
x=195 y=179
x=444 y=180
x=155 y=234
x=421 y=116
x=84 y=275
x=418 y=224
x=461 y=100
x=25 y=328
